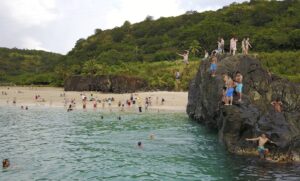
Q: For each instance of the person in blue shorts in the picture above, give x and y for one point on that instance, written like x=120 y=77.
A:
x=262 y=140
x=229 y=93
x=239 y=84
x=213 y=65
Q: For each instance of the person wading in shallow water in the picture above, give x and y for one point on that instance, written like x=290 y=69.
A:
x=262 y=140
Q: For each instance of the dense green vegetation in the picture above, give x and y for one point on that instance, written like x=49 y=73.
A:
x=284 y=64
x=271 y=25
x=149 y=49
x=28 y=66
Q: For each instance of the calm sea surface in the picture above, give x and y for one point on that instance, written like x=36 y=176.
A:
x=51 y=144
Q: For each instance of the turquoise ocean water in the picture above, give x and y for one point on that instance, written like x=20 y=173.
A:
x=51 y=144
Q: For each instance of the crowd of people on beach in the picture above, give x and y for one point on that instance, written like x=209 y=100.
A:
x=134 y=101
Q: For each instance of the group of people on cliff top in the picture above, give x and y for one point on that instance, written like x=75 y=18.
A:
x=245 y=45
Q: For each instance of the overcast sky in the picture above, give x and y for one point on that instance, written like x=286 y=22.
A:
x=55 y=25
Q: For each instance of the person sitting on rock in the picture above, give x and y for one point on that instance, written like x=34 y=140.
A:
x=262 y=140
x=239 y=84
x=277 y=104
x=213 y=65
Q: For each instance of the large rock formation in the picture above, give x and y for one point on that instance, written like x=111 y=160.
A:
x=105 y=83
x=254 y=115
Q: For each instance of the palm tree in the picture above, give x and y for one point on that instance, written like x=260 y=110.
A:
x=90 y=67
x=194 y=47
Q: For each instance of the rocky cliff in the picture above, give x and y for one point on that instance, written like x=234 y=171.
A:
x=105 y=83
x=254 y=115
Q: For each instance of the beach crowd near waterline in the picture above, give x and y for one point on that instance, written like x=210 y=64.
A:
x=23 y=97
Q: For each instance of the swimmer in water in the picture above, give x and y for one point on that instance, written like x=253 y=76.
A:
x=5 y=163
x=151 y=136
x=140 y=145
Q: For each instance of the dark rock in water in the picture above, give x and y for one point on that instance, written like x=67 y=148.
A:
x=255 y=114
x=105 y=83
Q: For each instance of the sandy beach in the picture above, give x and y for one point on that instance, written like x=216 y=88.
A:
x=56 y=97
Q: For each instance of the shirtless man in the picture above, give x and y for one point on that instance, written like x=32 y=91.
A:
x=277 y=104
x=185 y=56
x=239 y=84
x=262 y=140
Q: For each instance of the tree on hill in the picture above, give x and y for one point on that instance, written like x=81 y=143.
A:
x=195 y=47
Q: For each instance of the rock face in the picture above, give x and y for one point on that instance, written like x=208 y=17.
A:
x=254 y=115
x=105 y=83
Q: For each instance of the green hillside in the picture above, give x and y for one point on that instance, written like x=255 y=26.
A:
x=28 y=66
x=271 y=26
x=149 y=49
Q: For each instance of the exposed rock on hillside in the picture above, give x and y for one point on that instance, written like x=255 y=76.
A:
x=254 y=115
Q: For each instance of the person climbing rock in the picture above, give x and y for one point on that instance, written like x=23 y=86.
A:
x=277 y=104
x=262 y=140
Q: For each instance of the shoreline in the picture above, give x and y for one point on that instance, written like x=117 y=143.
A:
x=53 y=97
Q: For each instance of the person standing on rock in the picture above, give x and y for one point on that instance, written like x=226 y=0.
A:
x=219 y=50
x=277 y=104
x=262 y=140
x=231 y=45
x=247 y=46
x=244 y=46
x=239 y=84
x=229 y=93
x=185 y=56
x=206 y=55
x=213 y=65
x=227 y=81
x=222 y=45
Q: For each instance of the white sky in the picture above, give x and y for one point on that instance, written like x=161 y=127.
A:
x=55 y=25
